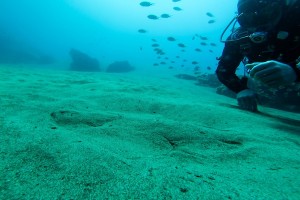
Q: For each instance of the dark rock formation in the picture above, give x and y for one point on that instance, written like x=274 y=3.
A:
x=186 y=77
x=209 y=80
x=120 y=67
x=223 y=90
x=284 y=98
x=83 y=62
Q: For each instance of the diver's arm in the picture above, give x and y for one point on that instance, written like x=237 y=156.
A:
x=229 y=62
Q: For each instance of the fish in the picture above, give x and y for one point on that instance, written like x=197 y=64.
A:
x=160 y=53
x=171 y=67
x=177 y=8
x=208 y=68
x=155 y=64
x=181 y=45
x=203 y=43
x=203 y=38
x=153 y=40
x=171 y=39
x=142 y=31
x=194 y=62
x=209 y=14
x=197 y=49
x=163 y=63
x=154 y=17
x=165 y=16
x=155 y=45
x=176 y=0
x=211 y=21
x=146 y=4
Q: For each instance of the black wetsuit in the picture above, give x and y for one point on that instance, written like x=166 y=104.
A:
x=285 y=50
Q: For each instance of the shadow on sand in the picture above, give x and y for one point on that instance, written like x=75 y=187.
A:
x=286 y=124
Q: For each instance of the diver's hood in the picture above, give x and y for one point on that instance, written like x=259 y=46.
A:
x=259 y=13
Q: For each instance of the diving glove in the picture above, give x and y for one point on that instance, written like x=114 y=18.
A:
x=272 y=73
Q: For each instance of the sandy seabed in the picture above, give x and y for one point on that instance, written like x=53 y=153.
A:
x=72 y=135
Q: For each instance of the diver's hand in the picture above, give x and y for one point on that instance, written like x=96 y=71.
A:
x=272 y=73
x=247 y=100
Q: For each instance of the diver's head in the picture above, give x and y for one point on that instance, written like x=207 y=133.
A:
x=254 y=14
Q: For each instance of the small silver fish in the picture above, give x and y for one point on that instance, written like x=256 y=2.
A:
x=211 y=21
x=177 y=8
x=142 y=31
x=203 y=38
x=154 y=17
x=165 y=16
x=171 y=39
x=146 y=4
x=209 y=14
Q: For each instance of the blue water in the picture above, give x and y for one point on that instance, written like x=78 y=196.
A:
x=108 y=31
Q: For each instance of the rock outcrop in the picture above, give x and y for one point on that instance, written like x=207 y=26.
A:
x=120 y=67
x=83 y=62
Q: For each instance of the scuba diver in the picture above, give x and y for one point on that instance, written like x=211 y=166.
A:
x=267 y=42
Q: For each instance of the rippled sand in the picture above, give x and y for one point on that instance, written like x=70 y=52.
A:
x=69 y=135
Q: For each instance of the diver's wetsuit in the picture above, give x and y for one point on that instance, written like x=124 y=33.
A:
x=283 y=50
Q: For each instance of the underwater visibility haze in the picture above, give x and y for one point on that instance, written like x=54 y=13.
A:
x=75 y=125
x=111 y=30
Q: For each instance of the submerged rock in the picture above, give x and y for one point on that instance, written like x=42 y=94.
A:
x=186 y=77
x=83 y=62
x=120 y=67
